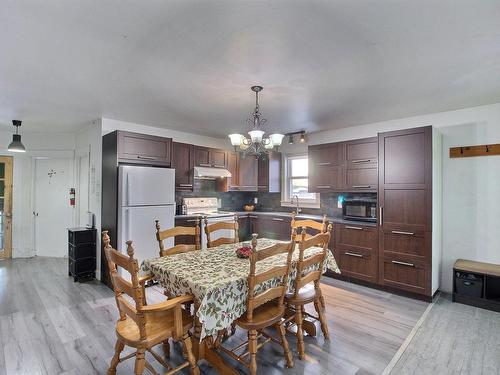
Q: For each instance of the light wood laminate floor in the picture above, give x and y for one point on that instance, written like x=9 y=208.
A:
x=50 y=325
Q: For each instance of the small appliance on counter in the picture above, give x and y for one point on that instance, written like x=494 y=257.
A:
x=360 y=209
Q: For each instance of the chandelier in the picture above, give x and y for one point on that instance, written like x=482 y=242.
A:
x=256 y=145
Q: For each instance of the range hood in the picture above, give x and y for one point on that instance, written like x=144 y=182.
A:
x=210 y=173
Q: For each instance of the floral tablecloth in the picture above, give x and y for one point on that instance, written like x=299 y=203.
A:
x=218 y=280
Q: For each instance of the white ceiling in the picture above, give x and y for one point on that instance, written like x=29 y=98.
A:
x=189 y=65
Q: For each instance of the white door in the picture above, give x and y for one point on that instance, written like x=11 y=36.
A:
x=53 y=214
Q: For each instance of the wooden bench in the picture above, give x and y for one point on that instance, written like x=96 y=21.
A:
x=477 y=284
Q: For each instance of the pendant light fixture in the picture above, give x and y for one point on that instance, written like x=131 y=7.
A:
x=16 y=145
x=257 y=145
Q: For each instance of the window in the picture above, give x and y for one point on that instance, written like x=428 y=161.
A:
x=296 y=182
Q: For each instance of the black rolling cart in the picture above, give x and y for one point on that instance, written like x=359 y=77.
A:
x=81 y=253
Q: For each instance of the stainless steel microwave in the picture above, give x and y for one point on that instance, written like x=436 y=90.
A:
x=360 y=209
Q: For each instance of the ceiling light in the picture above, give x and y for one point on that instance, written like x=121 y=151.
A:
x=302 y=137
x=257 y=145
x=16 y=145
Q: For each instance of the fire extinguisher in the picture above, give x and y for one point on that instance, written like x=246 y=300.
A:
x=72 y=196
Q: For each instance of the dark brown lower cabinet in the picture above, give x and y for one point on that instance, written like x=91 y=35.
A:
x=245 y=228
x=356 y=251
x=185 y=222
x=405 y=273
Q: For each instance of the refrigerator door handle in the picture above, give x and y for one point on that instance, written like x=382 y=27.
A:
x=127 y=186
x=127 y=225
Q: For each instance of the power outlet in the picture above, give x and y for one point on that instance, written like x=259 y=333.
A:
x=256 y=200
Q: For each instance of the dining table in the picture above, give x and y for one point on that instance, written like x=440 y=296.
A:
x=217 y=278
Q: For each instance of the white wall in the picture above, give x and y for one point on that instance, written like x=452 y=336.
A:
x=109 y=125
x=91 y=138
x=471 y=197
x=471 y=187
x=37 y=145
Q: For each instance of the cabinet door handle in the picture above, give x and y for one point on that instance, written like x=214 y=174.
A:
x=262 y=186
x=249 y=186
x=381 y=214
x=403 y=233
x=145 y=157
x=219 y=166
x=353 y=254
x=361 y=161
x=186 y=185
x=253 y=217
x=204 y=165
x=403 y=263
x=277 y=219
x=351 y=227
x=192 y=220
x=361 y=186
x=323 y=186
x=324 y=163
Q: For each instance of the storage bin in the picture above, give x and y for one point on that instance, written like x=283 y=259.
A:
x=468 y=284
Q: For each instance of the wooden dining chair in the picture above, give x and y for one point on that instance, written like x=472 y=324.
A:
x=307 y=286
x=162 y=235
x=221 y=225
x=142 y=326
x=308 y=224
x=265 y=308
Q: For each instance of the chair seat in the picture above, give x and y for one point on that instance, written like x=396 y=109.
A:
x=263 y=316
x=158 y=328
x=307 y=294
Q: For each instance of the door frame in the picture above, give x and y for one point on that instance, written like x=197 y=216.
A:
x=82 y=152
x=6 y=252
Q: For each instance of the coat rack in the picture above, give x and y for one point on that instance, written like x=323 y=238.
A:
x=479 y=150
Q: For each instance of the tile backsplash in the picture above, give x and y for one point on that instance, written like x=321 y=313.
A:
x=235 y=200
x=231 y=201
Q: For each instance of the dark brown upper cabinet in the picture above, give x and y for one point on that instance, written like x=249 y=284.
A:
x=218 y=158
x=269 y=173
x=202 y=156
x=183 y=162
x=326 y=163
x=361 y=166
x=209 y=157
x=233 y=165
x=248 y=174
x=143 y=149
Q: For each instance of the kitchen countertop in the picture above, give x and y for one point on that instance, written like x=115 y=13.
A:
x=282 y=214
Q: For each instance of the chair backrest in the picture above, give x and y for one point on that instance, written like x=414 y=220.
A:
x=122 y=286
x=308 y=224
x=313 y=273
x=161 y=235
x=281 y=270
x=222 y=225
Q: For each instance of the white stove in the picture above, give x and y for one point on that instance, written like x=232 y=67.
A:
x=208 y=207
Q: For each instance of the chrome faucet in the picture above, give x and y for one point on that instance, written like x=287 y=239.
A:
x=297 y=208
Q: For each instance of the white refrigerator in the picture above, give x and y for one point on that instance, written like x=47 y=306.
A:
x=145 y=194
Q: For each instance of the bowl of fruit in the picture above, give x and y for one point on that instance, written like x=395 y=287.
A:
x=244 y=252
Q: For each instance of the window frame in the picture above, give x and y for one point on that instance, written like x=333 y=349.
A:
x=285 y=192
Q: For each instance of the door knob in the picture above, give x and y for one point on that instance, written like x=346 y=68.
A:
x=35 y=213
